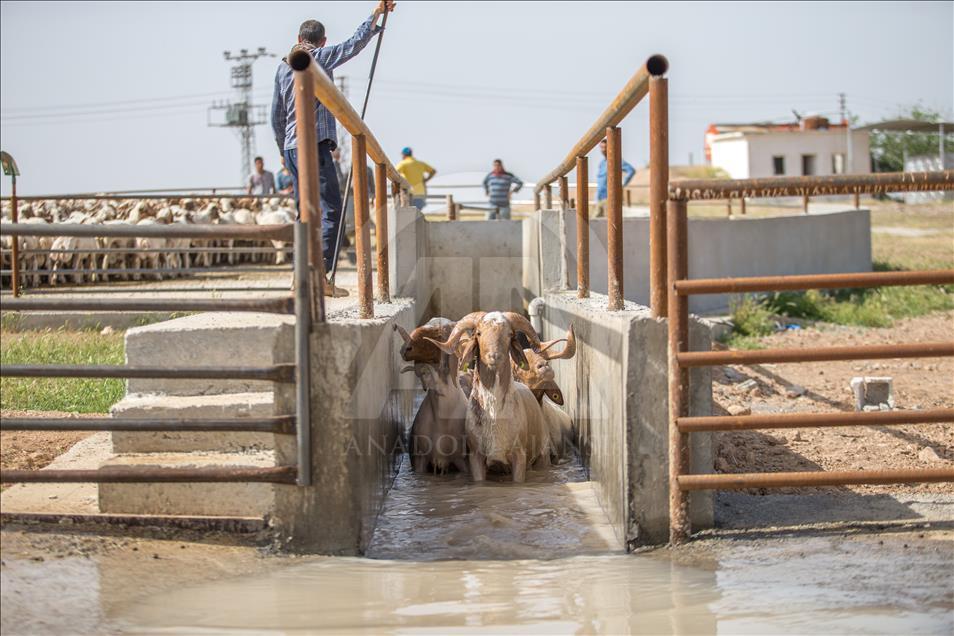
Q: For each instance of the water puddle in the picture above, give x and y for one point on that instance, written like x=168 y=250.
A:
x=815 y=585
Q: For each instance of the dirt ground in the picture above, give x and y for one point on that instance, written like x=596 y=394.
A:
x=824 y=386
x=32 y=450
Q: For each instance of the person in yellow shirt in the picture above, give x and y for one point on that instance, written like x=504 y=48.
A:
x=417 y=174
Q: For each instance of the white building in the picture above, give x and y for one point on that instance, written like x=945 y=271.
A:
x=810 y=147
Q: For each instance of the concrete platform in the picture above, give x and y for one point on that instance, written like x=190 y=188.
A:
x=224 y=405
x=210 y=339
x=206 y=499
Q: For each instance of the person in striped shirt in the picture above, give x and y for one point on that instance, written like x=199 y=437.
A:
x=499 y=185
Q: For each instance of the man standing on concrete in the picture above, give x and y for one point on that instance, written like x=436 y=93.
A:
x=261 y=181
x=499 y=185
x=601 y=191
x=311 y=38
x=417 y=174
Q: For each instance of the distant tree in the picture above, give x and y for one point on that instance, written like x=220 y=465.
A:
x=889 y=148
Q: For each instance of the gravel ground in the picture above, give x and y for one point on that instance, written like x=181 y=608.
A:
x=824 y=386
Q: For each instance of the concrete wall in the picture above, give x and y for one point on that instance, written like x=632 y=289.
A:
x=811 y=244
x=476 y=265
x=360 y=407
x=616 y=392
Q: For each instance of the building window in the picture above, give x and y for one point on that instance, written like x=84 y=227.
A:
x=838 y=163
x=778 y=165
x=808 y=165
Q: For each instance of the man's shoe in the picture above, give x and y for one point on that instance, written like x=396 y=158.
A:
x=334 y=292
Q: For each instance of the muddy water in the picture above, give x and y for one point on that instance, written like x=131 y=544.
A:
x=801 y=586
x=450 y=557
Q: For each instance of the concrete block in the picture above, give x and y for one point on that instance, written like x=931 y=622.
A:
x=224 y=405
x=837 y=240
x=872 y=392
x=207 y=499
x=409 y=275
x=476 y=265
x=616 y=391
x=361 y=406
x=209 y=339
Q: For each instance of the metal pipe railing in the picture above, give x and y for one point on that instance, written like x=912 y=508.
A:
x=647 y=79
x=634 y=91
x=172 y=230
x=770 y=187
x=275 y=373
x=338 y=105
x=681 y=359
x=149 y=474
x=256 y=305
x=282 y=424
x=131 y=196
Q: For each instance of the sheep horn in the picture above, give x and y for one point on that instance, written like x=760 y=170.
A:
x=463 y=325
x=404 y=334
x=568 y=351
x=520 y=324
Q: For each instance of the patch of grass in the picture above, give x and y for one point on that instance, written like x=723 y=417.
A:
x=754 y=317
x=82 y=395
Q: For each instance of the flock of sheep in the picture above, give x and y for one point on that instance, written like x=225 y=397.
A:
x=491 y=399
x=46 y=259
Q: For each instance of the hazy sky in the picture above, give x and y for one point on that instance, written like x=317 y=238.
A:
x=109 y=96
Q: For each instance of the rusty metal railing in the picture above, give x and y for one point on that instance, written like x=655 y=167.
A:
x=298 y=424
x=648 y=79
x=680 y=287
x=312 y=83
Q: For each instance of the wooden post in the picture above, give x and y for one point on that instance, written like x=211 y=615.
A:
x=582 y=229
x=536 y=201
x=362 y=233
x=614 y=218
x=564 y=193
x=548 y=197
x=381 y=230
x=805 y=203
x=742 y=205
x=451 y=210
x=728 y=207
x=857 y=201
x=658 y=193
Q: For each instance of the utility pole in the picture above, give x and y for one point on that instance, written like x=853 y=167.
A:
x=344 y=138
x=849 y=154
x=242 y=114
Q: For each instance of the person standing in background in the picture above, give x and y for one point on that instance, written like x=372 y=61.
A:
x=417 y=174
x=284 y=181
x=499 y=185
x=261 y=181
x=601 y=191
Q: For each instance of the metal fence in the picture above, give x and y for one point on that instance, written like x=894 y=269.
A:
x=680 y=287
x=301 y=305
x=648 y=79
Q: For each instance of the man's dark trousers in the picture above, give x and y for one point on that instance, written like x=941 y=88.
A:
x=330 y=196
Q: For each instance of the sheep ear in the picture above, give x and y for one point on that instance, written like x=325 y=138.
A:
x=468 y=354
x=516 y=354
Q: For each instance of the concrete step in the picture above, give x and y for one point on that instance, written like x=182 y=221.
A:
x=206 y=499
x=210 y=339
x=223 y=405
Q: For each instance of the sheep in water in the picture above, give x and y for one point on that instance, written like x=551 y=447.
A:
x=438 y=434
x=504 y=423
x=538 y=376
